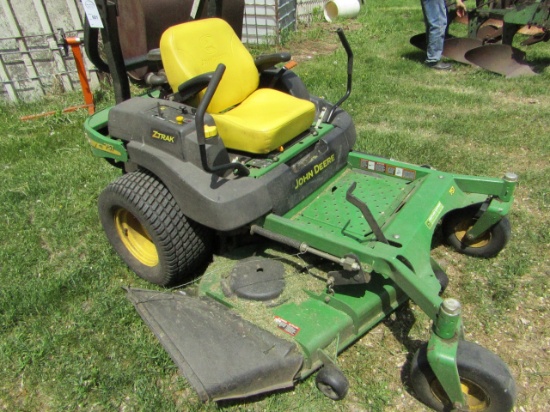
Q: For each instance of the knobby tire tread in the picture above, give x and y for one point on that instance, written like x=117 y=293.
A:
x=183 y=243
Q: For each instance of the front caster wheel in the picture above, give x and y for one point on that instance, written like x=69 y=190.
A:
x=332 y=383
x=486 y=381
x=148 y=230
x=488 y=245
x=441 y=276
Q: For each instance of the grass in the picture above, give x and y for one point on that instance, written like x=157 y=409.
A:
x=71 y=341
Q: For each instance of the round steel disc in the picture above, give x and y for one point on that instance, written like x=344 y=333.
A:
x=257 y=279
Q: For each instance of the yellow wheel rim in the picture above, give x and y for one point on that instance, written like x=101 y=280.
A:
x=462 y=228
x=476 y=398
x=135 y=238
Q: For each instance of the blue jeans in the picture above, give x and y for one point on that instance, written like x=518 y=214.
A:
x=435 y=18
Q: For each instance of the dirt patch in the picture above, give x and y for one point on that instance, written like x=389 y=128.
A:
x=317 y=39
x=312 y=49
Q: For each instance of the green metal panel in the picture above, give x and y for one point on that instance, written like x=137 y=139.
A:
x=422 y=287
x=102 y=145
x=331 y=212
x=442 y=350
x=487 y=186
x=367 y=304
x=407 y=202
x=333 y=321
x=316 y=318
x=289 y=153
x=527 y=14
x=319 y=324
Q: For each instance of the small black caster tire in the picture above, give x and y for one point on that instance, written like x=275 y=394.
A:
x=332 y=383
x=488 y=245
x=485 y=379
x=441 y=277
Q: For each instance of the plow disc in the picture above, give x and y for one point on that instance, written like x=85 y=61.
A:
x=498 y=58
x=454 y=48
x=502 y=59
x=419 y=41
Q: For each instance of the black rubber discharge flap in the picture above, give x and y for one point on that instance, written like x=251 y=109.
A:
x=222 y=355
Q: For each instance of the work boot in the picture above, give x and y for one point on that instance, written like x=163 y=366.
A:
x=439 y=65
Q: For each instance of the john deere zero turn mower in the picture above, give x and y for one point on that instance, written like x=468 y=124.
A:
x=231 y=147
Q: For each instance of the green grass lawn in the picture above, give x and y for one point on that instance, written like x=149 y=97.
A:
x=69 y=338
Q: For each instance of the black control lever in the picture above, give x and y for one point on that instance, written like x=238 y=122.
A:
x=367 y=214
x=199 y=122
x=349 y=52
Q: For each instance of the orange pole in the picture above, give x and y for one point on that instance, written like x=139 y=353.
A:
x=74 y=42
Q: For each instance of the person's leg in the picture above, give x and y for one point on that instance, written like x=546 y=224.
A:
x=435 y=17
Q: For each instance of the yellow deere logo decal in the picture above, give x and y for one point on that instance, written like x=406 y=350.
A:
x=162 y=136
x=316 y=169
x=434 y=215
x=104 y=147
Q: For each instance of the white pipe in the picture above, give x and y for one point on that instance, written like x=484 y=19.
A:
x=341 y=8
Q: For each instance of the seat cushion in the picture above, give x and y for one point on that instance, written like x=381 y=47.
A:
x=265 y=121
x=197 y=47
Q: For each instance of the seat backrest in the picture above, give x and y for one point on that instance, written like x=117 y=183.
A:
x=197 y=47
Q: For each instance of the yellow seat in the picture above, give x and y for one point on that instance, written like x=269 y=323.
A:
x=248 y=119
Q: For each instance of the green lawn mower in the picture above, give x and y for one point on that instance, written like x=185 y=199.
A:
x=226 y=149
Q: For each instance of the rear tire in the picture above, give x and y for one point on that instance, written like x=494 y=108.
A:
x=146 y=227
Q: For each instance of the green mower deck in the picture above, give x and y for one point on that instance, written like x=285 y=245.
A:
x=314 y=318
